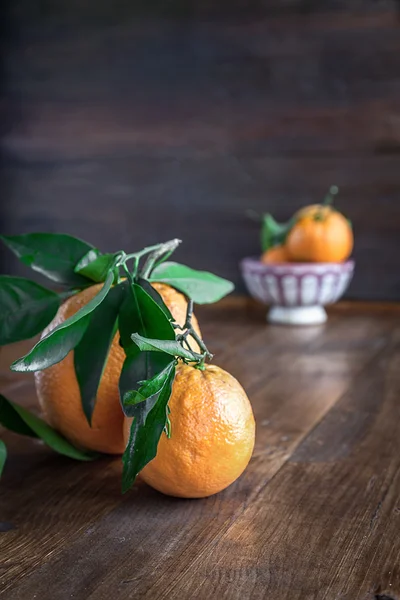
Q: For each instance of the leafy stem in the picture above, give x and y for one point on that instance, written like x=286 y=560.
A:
x=179 y=347
x=155 y=253
x=161 y=250
x=190 y=331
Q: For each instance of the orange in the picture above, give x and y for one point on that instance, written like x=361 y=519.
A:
x=58 y=391
x=275 y=255
x=321 y=234
x=212 y=435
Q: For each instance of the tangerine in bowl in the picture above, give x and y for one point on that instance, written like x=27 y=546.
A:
x=305 y=263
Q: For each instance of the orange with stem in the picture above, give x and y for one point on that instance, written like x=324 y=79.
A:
x=320 y=234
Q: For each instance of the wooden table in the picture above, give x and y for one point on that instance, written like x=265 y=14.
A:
x=315 y=516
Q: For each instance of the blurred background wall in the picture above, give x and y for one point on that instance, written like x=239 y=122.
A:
x=127 y=123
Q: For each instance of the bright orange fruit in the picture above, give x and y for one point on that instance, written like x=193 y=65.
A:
x=58 y=391
x=275 y=255
x=212 y=435
x=321 y=234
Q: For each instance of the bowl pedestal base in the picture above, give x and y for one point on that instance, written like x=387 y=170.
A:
x=297 y=315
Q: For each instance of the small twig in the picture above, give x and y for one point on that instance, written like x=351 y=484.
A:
x=189 y=331
x=166 y=248
x=329 y=198
x=189 y=314
x=187 y=343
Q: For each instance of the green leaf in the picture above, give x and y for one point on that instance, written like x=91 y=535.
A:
x=90 y=256
x=10 y=419
x=138 y=367
x=171 y=347
x=62 y=339
x=149 y=420
x=148 y=388
x=140 y=313
x=91 y=354
x=25 y=308
x=18 y=419
x=96 y=267
x=202 y=287
x=54 y=255
x=3 y=456
x=274 y=233
x=156 y=297
x=52 y=348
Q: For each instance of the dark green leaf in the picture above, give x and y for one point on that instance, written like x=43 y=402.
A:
x=3 y=456
x=10 y=419
x=97 y=268
x=201 y=286
x=91 y=354
x=150 y=387
x=54 y=255
x=63 y=338
x=147 y=426
x=156 y=297
x=139 y=367
x=19 y=420
x=171 y=347
x=88 y=258
x=25 y=308
x=140 y=313
x=52 y=348
x=273 y=233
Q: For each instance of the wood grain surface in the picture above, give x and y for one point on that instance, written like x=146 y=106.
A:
x=126 y=130
x=315 y=516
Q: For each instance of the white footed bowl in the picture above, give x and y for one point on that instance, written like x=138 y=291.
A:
x=297 y=292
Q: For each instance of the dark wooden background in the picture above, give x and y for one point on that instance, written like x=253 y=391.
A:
x=127 y=123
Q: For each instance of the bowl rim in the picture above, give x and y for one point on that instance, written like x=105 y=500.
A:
x=255 y=263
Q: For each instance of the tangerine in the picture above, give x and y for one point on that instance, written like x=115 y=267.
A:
x=275 y=255
x=321 y=234
x=58 y=390
x=212 y=435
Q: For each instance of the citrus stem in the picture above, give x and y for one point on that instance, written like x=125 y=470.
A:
x=155 y=252
x=329 y=198
x=128 y=273
x=141 y=253
x=159 y=251
x=328 y=201
x=189 y=331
